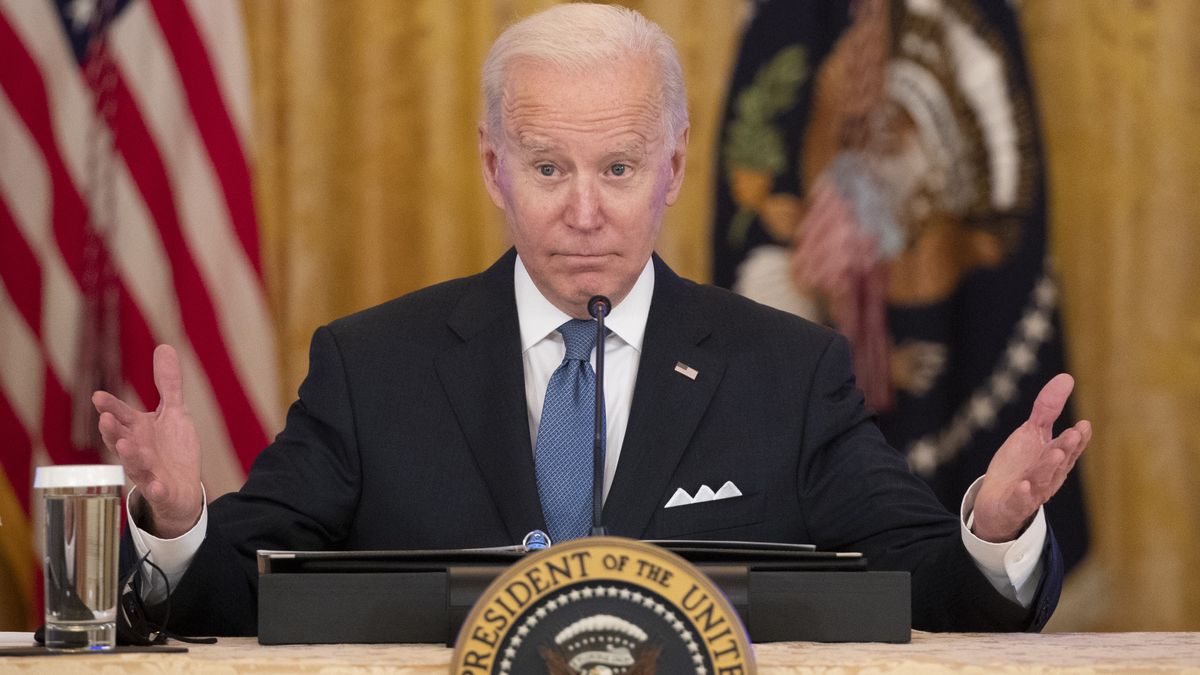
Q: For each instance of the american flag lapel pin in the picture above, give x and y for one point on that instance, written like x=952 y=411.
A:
x=686 y=370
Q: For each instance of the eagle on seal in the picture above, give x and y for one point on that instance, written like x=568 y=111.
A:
x=645 y=662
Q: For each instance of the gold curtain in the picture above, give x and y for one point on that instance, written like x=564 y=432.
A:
x=368 y=187
x=367 y=177
x=1119 y=88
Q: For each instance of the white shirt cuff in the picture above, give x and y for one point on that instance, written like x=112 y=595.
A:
x=173 y=556
x=1014 y=568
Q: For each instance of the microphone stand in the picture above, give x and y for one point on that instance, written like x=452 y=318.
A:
x=599 y=307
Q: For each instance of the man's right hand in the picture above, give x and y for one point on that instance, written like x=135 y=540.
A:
x=159 y=449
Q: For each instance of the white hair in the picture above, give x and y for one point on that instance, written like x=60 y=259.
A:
x=578 y=37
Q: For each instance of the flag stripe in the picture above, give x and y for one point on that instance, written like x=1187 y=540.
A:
x=126 y=179
x=236 y=291
x=36 y=344
x=37 y=397
x=24 y=354
x=246 y=434
x=21 y=375
x=17 y=465
x=56 y=406
x=142 y=265
x=146 y=288
x=56 y=425
x=22 y=82
x=16 y=461
x=146 y=167
x=19 y=270
x=39 y=33
x=212 y=119
x=220 y=25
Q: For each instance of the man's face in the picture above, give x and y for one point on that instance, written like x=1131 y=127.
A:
x=583 y=172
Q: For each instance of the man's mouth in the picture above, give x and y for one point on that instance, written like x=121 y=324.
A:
x=583 y=257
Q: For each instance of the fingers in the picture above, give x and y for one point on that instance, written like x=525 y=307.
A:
x=1085 y=428
x=1057 y=461
x=116 y=424
x=132 y=457
x=107 y=403
x=168 y=375
x=1050 y=401
x=1072 y=442
x=122 y=440
x=111 y=430
x=1024 y=479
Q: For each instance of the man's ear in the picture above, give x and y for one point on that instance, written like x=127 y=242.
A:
x=678 y=164
x=489 y=160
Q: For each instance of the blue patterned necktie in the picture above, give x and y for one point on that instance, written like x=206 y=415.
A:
x=563 y=457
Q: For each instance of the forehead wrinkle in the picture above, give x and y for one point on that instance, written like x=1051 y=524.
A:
x=516 y=108
x=618 y=142
x=538 y=133
x=532 y=110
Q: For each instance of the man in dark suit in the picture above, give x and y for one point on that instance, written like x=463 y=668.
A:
x=418 y=423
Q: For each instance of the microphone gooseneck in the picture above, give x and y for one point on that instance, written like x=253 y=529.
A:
x=599 y=307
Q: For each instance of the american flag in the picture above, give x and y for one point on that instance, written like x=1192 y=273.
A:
x=126 y=220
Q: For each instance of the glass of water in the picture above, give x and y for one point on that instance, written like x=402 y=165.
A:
x=82 y=506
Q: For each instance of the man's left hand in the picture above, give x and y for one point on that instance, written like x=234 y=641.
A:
x=1030 y=467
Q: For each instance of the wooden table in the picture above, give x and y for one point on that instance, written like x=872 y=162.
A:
x=928 y=654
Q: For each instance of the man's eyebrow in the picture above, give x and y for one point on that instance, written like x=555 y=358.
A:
x=536 y=145
x=630 y=148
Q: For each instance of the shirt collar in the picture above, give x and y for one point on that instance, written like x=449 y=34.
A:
x=539 y=318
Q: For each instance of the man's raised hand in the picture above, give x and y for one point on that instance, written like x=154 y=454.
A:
x=159 y=449
x=1030 y=467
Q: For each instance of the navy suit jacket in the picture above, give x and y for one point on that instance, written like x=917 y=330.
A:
x=411 y=431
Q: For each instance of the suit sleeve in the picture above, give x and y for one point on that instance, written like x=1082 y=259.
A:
x=859 y=495
x=301 y=494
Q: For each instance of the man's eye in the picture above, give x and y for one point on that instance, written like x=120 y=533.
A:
x=619 y=169
x=546 y=169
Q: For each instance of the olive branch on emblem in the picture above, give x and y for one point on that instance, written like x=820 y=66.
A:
x=754 y=149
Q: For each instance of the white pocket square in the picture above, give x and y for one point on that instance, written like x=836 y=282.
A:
x=704 y=494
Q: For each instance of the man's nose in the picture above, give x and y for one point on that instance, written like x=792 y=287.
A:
x=583 y=210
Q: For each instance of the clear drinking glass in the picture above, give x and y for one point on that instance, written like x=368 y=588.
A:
x=82 y=506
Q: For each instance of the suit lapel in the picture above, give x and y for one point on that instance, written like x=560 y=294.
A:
x=667 y=406
x=485 y=382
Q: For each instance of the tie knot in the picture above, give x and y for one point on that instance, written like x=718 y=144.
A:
x=580 y=336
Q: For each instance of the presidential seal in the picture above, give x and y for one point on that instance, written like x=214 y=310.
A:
x=602 y=606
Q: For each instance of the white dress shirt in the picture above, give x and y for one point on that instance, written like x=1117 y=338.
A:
x=1013 y=568
x=542 y=351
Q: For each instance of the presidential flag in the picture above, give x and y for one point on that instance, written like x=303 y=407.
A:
x=881 y=171
x=126 y=220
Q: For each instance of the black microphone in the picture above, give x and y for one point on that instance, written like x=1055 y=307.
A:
x=599 y=307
